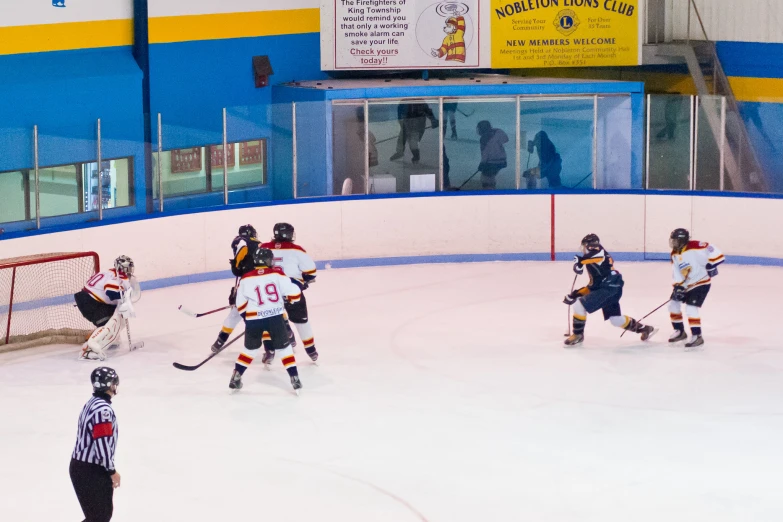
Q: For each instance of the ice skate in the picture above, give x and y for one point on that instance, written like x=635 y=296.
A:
x=313 y=354
x=218 y=345
x=695 y=343
x=267 y=359
x=89 y=355
x=236 y=381
x=647 y=332
x=574 y=339
x=296 y=383
x=677 y=336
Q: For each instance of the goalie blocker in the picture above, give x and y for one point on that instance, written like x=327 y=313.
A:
x=107 y=302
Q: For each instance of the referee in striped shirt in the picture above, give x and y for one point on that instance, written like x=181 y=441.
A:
x=92 y=463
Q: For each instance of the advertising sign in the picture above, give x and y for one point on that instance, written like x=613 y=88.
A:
x=402 y=34
x=565 y=33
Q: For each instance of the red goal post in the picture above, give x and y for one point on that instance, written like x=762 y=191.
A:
x=36 y=299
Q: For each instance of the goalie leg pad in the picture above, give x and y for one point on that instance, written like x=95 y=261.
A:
x=105 y=336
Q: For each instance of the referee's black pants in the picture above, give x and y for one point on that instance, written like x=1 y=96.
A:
x=94 y=490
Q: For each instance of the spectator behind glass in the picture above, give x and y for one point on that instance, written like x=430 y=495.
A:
x=493 y=154
x=549 y=162
x=413 y=122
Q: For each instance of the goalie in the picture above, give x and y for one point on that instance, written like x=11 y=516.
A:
x=107 y=302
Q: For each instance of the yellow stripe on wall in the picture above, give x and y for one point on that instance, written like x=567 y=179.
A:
x=168 y=29
x=65 y=36
x=757 y=89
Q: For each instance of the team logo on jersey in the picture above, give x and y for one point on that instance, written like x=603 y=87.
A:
x=105 y=415
x=567 y=22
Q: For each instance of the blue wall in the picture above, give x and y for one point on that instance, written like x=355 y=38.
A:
x=762 y=62
x=64 y=93
x=191 y=83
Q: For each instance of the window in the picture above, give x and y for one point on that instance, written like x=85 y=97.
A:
x=199 y=170
x=14 y=186
x=65 y=189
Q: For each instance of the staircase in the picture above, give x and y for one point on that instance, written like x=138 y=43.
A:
x=701 y=58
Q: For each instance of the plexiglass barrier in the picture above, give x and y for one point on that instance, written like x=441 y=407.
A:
x=311 y=149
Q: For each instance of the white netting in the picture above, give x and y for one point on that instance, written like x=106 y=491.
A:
x=41 y=308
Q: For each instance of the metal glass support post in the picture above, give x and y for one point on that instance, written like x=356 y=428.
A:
x=595 y=141
x=225 y=160
x=160 y=162
x=441 y=149
x=519 y=143
x=722 y=142
x=688 y=31
x=647 y=160
x=366 y=147
x=100 y=175
x=37 y=179
x=695 y=171
x=294 y=172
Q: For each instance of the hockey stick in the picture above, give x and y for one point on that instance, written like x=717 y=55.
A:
x=466 y=114
x=179 y=366
x=582 y=181
x=568 y=317
x=466 y=181
x=190 y=313
x=648 y=315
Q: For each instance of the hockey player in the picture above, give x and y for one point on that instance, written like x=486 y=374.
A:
x=602 y=293
x=694 y=264
x=106 y=302
x=300 y=267
x=260 y=298
x=241 y=263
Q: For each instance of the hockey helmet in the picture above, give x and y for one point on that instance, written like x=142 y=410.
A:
x=124 y=266
x=103 y=378
x=248 y=231
x=284 y=232
x=264 y=257
x=591 y=242
x=679 y=238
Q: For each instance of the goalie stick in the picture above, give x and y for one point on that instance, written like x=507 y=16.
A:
x=186 y=368
x=190 y=313
x=131 y=345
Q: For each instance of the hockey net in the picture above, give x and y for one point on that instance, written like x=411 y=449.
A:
x=36 y=299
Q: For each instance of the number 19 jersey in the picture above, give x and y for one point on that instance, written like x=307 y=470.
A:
x=261 y=291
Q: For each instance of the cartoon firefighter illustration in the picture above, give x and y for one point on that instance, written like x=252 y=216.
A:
x=453 y=47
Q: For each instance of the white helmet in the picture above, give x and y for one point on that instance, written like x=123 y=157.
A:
x=124 y=265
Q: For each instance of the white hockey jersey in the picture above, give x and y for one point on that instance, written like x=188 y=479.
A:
x=261 y=292
x=689 y=266
x=295 y=262
x=107 y=286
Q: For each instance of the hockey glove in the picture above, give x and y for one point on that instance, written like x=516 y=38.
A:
x=125 y=308
x=232 y=297
x=678 y=294
x=571 y=298
x=579 y=268
x=712 y=270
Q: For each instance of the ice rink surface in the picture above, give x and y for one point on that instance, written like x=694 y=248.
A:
x=444 y=394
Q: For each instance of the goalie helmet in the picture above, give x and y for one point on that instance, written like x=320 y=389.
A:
x=247 y=231
x=591 y=242
x=124 y=266
x=103 y=378
x=284 y=232
x=264 y=257
x=679 y=238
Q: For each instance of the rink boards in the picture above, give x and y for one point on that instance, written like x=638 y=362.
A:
x=450 y=228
